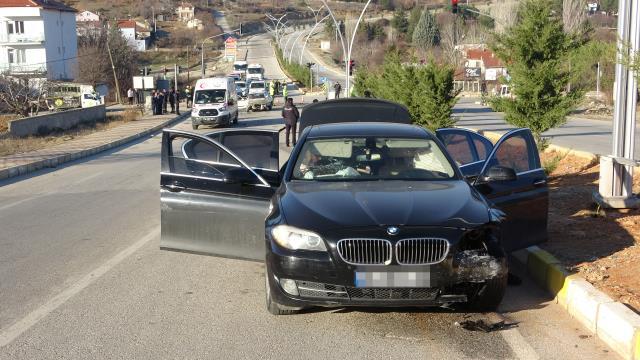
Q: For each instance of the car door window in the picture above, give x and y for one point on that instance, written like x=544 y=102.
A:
x=458 y=147
x=514 y=153
x=483 y=147
x=195 y=157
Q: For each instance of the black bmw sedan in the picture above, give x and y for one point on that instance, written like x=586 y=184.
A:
x=363 y=213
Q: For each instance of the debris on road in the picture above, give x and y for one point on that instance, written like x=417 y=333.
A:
x=488 y=323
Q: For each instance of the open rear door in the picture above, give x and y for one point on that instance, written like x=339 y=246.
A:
x=212 y=202
x=524 y=200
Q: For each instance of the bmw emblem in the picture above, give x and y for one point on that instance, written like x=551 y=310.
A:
x=393 y=230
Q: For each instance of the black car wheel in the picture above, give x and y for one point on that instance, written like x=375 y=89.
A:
x=273 y=307
x=489 y=296
x=235 y=119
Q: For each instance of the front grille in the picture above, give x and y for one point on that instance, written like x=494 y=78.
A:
x=310 y=289
x=208 y=112
x=365 y=251
x=320 y=290
x=421 y=251
x=392 y=293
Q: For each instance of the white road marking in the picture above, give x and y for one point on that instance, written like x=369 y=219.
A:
x=88 y=178
x=18 y=328
x=3 y=207
x=519 y=345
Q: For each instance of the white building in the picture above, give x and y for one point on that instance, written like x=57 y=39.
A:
x=38 y=37
x=87 y=16
x=185 y=12
x=135 y=37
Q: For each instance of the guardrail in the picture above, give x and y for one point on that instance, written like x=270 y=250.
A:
x=21 y=38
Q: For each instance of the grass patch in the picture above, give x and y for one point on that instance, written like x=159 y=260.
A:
x=551 y=163
x=10 y=145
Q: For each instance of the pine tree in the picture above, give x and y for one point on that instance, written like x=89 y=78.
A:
x=414 y=18
x=426 y=33
x=400 y=22
x=536 y=51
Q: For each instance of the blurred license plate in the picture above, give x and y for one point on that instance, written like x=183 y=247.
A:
x=392 y=279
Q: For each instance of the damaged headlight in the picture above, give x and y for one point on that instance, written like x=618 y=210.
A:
x=297 y=239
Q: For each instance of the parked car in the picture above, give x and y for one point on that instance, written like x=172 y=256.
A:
x=368 y=210
x=257 y=87
x=214 y=102
x=259 y=101
x=242 y=86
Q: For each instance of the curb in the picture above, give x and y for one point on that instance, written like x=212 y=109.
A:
x=56 y=160
x=613 y=322
x=495 y=136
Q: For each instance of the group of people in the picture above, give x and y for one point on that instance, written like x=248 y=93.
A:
x=161 y=98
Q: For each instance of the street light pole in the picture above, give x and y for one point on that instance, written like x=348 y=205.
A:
x=202 y=49
x=353 y=37
x=615 y=189
x=308 y=36
x=294 y=45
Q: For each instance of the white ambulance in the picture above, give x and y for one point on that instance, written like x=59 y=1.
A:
x=215 y=102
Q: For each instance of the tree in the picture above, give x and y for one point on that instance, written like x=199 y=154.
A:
x=609 y=6
x=400 y=21
x=505 y=14
x=426 y=34
x=536 y=52
x=450 y=36
x=574 y=16
x=427 y=91
x=23 y=95
x=414 y=18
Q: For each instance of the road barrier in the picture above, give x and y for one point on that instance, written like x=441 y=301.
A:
x=63 y=120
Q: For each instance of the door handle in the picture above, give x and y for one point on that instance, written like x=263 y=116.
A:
x=540 y=182
x=175 y=187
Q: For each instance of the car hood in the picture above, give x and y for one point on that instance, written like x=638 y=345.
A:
x=327 y=205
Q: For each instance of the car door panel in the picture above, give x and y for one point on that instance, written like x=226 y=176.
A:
x=202 y=211
x=524 y=200
x=469 y=149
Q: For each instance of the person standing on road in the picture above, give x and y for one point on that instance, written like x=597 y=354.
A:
x=290 y=114
x=165 y=101
x=176 y=94
x=154 y=102
x=272 y=90
x=187 y=94
x=277 y=87
x=172 y=100
x=337 y=88
x=130 y=95
x=285 y=91
x=160 y=103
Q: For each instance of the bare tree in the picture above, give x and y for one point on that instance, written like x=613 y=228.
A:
x=23 y=95
x=505 y=13
x=574 y=15
x=449 y=38
x=474 y=34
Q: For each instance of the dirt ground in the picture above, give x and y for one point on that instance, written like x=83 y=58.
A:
x=602 y=245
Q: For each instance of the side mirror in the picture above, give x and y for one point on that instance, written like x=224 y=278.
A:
x=500 y=173
x=240 y=176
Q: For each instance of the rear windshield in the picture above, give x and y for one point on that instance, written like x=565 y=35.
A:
x=257 y=85
x=255 y=71
x=240 y=67
x=212 y=96
x=370 y=159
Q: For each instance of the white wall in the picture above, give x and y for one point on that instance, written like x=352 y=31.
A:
x=61 y=44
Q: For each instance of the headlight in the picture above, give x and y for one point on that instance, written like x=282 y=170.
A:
x=224 y=108
x=297 y=239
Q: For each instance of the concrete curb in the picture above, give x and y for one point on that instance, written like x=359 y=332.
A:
x=56 y=160
x=611 y=321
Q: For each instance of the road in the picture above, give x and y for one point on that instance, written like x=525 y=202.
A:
x=81 y=276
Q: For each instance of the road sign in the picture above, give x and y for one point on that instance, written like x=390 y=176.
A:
x=230 y=48
x=472 y=72
x=143 y=82
x=323 y=79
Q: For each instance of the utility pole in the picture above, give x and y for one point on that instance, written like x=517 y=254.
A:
x=175 y=76
x=616 y=170
x=115 y=77
x=598 y=79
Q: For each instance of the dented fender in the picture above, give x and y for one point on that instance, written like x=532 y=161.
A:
x=478 y=266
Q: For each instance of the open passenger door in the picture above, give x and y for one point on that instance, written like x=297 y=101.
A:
x=212 y=201
x=524 y=198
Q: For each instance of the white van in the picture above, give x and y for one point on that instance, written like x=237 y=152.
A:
x=255 y=72
x=215 y=102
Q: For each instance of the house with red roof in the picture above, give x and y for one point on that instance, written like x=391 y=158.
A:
x=38 y=39
x=134 y=34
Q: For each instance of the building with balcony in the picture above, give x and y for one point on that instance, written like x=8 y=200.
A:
x=185 y=12
x=38 y=39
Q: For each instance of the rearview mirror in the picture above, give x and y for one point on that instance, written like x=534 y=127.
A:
x=239 y=176
x=500 y=173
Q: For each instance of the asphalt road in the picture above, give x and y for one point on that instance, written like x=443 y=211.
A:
x=81 y=276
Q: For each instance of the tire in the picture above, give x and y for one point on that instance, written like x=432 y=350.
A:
x=235 y=120
x=489 y=296
x=272 y=306
x=195 y=127
x=270 y=106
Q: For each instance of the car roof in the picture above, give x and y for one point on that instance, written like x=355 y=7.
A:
x=385 y=129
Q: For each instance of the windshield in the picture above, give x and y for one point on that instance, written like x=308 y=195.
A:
x=213 y=96
x=240 y=67
x=256 y=85
x=371 y=158
x=255 y=71
x=241 y=84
